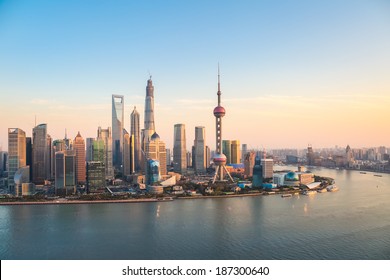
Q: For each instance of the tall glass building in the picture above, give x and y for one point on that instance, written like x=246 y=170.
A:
x=136 y=134
x=179 y=149
x=106 y=137
x=199 y=152
x=40 y=156
x=152 y=172
x=16 y=154
x=117 y=129
x=79 y=146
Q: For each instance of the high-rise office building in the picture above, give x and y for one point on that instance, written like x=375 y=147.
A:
x=235 y=156
x=179 y=149
x=169 y=156
x=29 y=156
x=227 y=150
x=40 y=157
x=3 y=162
x=58 y=145
x=152 y=172
x=117 y=129
x=105 y=135
x=267 y=165
x=244 y=150
x=208 y=156
x=310 y=156
x=219 y=158
x=128 y=153
x=65 y=172
x=249 y=163
x=149 y=127
x=16 y=154
x=155 y=150
x=95 y=176
x=49 y=156
x=89 y=149
x=257 y=181
x=189 y=158
x=136 y=132
x=99 y=151
x=199 y=150
x=60 y=173
x=79 y=147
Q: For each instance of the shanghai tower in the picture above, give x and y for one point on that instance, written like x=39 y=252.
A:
x=219 y=158
x=149 y=128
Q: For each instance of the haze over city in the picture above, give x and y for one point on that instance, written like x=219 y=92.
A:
x=292 y=73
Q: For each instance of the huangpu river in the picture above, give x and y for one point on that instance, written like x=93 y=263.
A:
x=353 y=223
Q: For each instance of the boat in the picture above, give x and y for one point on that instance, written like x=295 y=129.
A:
x=287 y=195
x=363 y=172
x=377 y=175
x=309 y=192
x=168 y=198
x=332 y=188
x=322 y=190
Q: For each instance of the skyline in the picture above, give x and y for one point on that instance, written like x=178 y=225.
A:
x=288 y=69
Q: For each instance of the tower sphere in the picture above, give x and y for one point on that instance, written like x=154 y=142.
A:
x=219 y=159
x=219 y=111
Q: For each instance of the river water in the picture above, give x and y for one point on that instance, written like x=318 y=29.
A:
x=353 y=223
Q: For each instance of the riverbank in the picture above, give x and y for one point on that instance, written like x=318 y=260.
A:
x=133 y=200
x=64 y=201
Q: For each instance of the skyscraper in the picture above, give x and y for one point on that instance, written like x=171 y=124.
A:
x=257 y=181
x=79 y=146
x=105 y=135
x=227 y=150
x=219 y=158
x=95 y=176
x=135 y=131
x=200 y=150
x=29 y=155
x=16 y=154
x=179 y=149
x=3 y=162
x=149 y=127
x=40 y=160
x=249 y=163
x=155 y=150
x=49 y=155
x=117 y=129
x=99 y=151
x=244 y=150
x=128 y=154
x=89 y=149
x=208 y=156
x=65 y=172
x=168 y=151
x=268 y=167
x=60 y=173
x=235 y=156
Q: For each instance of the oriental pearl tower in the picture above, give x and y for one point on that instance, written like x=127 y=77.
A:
x=219 y=158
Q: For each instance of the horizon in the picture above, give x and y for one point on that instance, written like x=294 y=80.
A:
x=292 y=74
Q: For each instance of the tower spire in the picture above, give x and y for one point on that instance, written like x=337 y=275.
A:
x=219 y=88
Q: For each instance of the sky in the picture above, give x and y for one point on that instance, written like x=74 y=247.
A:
x=293 y=73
